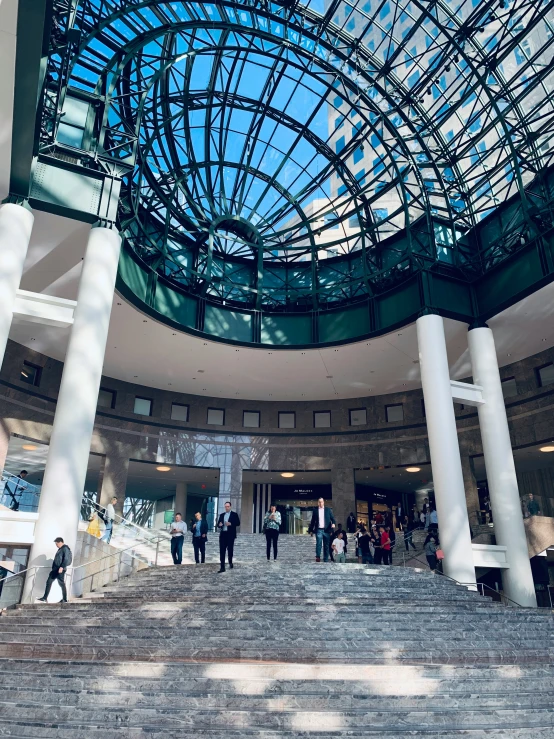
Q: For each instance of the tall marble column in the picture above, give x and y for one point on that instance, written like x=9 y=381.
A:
x=114 y=478
x=446 y=464
x=16 y=224
x=181 y=500
x=344 y=493
x=509 y=530
x=68 y=454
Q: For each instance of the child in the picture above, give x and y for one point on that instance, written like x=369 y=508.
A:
x=338 y=548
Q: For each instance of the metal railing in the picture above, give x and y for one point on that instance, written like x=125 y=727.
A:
x=17 y=494
x=481 y=587
x=122 y=564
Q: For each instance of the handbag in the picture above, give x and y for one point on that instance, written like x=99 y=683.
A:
x=439 y=554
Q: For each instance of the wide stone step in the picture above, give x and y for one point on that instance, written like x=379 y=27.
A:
x=191 y=718
x=293 y=697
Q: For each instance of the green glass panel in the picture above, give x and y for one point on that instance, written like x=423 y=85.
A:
x=398 y=305
x=133 y=275
x=286 y=329
x=228 y=324
x=344 y=324
x=176 y=306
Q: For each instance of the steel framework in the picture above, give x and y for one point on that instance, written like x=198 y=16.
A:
x=282 y=156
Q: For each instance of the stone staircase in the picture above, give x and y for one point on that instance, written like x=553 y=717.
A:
x=278 y=650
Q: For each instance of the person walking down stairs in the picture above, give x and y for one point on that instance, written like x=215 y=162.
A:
x=227 y=525
x=322 y=525
x=61 y=562
x=272 y=523
x=430 y=548
x=408 y=534
x=338 y=548
x=109 y=518
x=199 y=530
x=178 y=529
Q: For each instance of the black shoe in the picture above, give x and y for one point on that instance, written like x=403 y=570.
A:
x=222 y=570
x=62 y=601
x=42 y=600
x=231 y=565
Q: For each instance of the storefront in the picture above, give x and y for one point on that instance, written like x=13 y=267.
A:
x=372 y=501
x=295 y=503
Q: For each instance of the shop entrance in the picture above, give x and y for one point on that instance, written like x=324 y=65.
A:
x=295 y=495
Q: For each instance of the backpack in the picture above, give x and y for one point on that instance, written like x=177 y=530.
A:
x=68 y=556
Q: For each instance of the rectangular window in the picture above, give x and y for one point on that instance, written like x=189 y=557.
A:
x=322 y=419
x=340 y=144
x=179 y=412
x=143 y=406
x=106 y=398
x=394 y=413
x=287 y=420
x=509 y=387
x=358 y=416
x=30 y=373
x=545 y=375
x=331 y=220
x=339 y=121
x=251 y=419
x=358 y=154
x=216 y=417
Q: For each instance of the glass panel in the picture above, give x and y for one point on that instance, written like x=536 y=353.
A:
x=322 y=419
x=106 y=398
x=287 y=420
x=358 y=417
x=179 y=412
x=509 y=387
x=143 y=406
x=394 y=413
x=216 y=417
x=251 y=419
x=546 y=375
x=30 y=374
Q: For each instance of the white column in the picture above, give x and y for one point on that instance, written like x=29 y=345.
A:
x=181 y=500
x=501 y=473
x=66 y=465
x=16 y=224
x=446 y=464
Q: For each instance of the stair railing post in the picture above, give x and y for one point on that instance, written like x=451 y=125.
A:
x=157 y=550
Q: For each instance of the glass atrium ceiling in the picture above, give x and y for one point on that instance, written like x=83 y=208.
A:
x=278 y=152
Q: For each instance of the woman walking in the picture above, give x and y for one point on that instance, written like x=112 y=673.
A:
x=430 y=549
x=272 y=522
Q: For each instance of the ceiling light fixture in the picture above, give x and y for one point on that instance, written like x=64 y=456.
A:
x=413 y=469
x=163 y=469
x=548 y=448
x=29 y=447
x=287 y=474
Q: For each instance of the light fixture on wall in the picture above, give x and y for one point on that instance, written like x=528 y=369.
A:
x=163 y=469
x=29 y=447
x=287 y=474
x=549 y=448
x=413 y=469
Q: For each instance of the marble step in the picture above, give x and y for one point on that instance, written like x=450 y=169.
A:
x=467 y=654
x=293 y=697
x=189 y=719
x=49 y=730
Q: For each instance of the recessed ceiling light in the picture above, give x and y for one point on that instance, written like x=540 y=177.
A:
x=548 y=448
x=413 y=469
x=30 y=447
x=287 y=474
x=163 y=469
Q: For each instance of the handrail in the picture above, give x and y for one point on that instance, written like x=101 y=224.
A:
x=72 y=570
x=121 y=519
x=477 y=585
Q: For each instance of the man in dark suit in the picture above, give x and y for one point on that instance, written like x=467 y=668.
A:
x=227 y=525
x=322 y=525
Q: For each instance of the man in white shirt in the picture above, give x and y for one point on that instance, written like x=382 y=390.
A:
x=109 y=518
x=322 y=525
x=178 y=529
x=338 y=548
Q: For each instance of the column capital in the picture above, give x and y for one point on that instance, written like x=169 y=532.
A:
x=477 y=323
x=13 y=199
x=105 y=223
